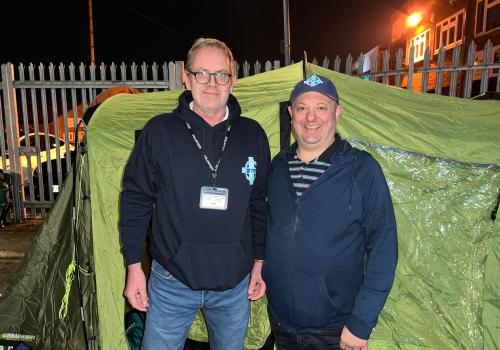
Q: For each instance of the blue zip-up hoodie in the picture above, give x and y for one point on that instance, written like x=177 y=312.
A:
x=205 y=249
x=331 y=254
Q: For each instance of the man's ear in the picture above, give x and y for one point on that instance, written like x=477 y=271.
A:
x=232 y=82
x=290 y=112
x=338 y=112
x=185 y=80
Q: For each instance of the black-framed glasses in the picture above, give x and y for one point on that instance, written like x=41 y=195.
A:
x=203 y=77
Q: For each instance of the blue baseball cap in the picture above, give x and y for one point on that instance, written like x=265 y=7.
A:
x=316 y=83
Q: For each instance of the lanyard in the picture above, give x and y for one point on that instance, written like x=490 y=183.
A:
x=212 y=168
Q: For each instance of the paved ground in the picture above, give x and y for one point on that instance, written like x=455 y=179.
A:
x=15 y=240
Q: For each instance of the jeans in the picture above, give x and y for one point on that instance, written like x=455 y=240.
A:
x=173 y=307
x=317 y=339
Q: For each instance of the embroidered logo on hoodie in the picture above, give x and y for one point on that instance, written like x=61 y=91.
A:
x=250 y=170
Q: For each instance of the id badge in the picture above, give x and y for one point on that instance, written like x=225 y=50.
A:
x=213 y=198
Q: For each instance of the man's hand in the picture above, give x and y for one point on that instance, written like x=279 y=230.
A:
x=135 y=290
x=349 y=341
x=257 y=286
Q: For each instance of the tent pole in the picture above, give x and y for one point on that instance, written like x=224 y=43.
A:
x=304 y=65
x=75 y=238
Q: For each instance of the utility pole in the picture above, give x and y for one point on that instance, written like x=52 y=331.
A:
x=286 y=26
x=91 y=30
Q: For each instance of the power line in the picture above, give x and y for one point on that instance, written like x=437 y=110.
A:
x=156 y=22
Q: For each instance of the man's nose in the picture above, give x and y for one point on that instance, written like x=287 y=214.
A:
x=310 y=115
x=211 y=80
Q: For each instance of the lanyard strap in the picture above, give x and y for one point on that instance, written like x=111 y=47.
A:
x=212 y=168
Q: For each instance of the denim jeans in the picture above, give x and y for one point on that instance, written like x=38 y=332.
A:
x=173 y=307
x=317 y=339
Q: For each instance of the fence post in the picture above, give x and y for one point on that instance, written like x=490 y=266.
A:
x=497 y=89
x=268 y=66
x=385 y=67
x=179 y=70
x=171 y=75
x=12 y=133
x=471 y=55
x=326 y=62
x=373 y=67
x=257 y=66
x=336 y=63
x=399 y=66
x=246 y=69
x=486 y=61
x=360 y=63
x=236 y=69
x=454 y=74
x=411 y=66
x=348 y=65
x=439 y=73
x=425 y=73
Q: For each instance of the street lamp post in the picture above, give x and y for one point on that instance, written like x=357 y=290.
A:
x=286 y=26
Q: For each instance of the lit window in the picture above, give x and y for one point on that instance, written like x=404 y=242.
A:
x=421 y=42
x=449 y=31
x=487 y=15
x=479 y=61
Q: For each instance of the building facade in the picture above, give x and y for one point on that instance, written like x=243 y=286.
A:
x=432 y=25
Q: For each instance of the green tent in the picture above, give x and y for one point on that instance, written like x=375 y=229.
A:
x=441 y=157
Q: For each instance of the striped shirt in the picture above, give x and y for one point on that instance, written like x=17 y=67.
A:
x=304 y=174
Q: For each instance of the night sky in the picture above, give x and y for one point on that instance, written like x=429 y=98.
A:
x=157 y=31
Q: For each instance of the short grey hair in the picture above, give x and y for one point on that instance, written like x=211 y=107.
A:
x=210 y=42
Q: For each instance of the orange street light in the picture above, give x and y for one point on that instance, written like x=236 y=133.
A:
x=414 y=19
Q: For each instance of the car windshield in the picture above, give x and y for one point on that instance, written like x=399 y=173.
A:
x=41 y=138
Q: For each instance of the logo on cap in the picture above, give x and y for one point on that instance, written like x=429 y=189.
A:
x=313 y=80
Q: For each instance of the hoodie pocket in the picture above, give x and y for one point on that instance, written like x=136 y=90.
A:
x=215 y=266
x=311 y=304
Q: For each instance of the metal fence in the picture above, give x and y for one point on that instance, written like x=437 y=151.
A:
x=41 y=106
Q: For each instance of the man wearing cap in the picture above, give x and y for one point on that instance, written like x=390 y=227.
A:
x=331 y=245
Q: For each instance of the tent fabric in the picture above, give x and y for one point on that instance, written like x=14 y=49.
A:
x=31 y=306
x=441 y=158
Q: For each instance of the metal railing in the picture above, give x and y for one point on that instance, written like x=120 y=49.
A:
x=40 y=107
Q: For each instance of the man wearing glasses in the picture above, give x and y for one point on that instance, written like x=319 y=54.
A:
x=198 y=175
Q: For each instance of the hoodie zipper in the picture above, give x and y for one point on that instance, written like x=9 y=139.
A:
x=290 y=240
x=291 y=237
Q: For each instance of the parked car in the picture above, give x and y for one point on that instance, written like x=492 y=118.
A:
x=56 y=185
x=29 y=155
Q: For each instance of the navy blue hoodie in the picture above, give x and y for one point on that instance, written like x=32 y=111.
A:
x=330 y=254
x=205 y=249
